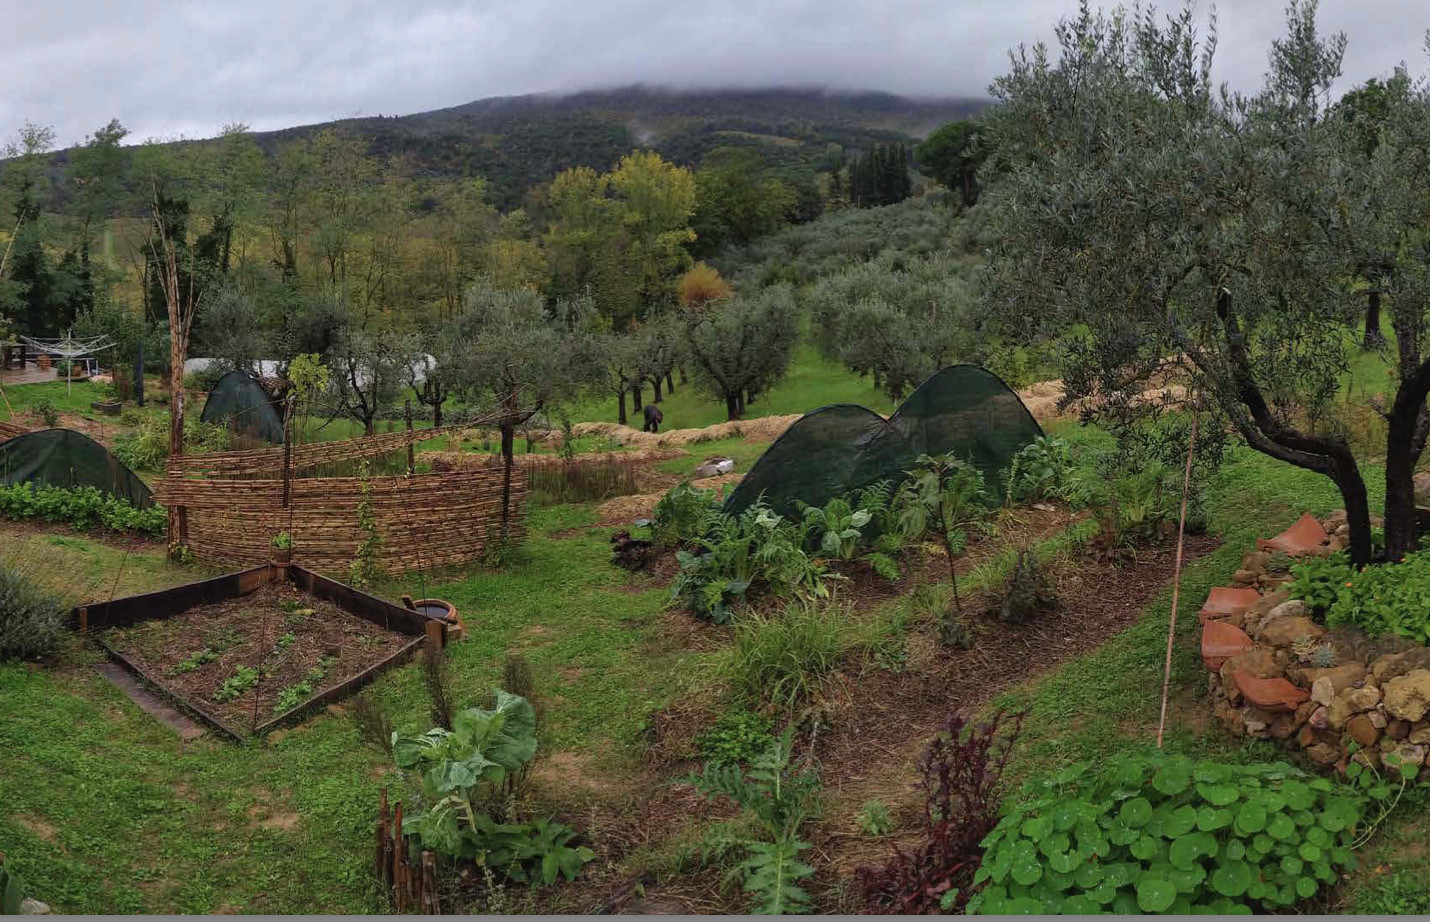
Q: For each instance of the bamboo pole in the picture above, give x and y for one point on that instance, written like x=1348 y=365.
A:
x=1177 y=576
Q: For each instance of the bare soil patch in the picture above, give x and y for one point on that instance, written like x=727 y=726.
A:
x=283 y=633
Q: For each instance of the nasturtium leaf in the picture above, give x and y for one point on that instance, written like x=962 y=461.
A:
x=1171 y=781
x=1026 y=868
x=1144 y=848
x=1235 y=850
x=1119 y=833
x=1320 y=784
x=1180 y=821
x=1285 y=896
x=1263 y=843
x=1070 y=774
x=1064 y=862
x=1055 y=844
x=1339 y=813
x=1155 y=894
x=1251 y=818
x=1322 y=869
x=1232 y=878
x=1125 y=904
x=1063 y=817
x=1130 y=773
x=1274 y=801
x=1291 y=866
x=1001 y=864
x=1218 y=794
x=1309 y=851
x=1342 y=855
x=1210 y=819
x=1187 y=880
x=1214 y=772
x=1036 y=828
x=1306 y=887
x=1024 y=906
x=1304 y=818
x=1281 y=827
x=1298 y=796
x=1081 y=905
x=1136 y=812
x=1185 y=850
x=1104 y=894
x=1089 y=875
x=1318 y=836
x=1118 y=873
x=1057 y=880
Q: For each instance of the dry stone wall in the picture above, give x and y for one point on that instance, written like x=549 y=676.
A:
x=1277 y=674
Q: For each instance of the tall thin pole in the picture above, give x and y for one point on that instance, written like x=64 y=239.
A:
x=1177 y=575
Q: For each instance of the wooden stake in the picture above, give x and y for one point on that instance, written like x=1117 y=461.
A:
x=411 y=461
x=1177 y=576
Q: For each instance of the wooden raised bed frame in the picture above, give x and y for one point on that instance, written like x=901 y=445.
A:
x=166 y=603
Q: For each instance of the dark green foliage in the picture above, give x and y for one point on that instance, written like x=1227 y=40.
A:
x=46 y=411
x=307 y=687
x=953 y=631
x=683 y=515
x=1392 y=598
x=742 y=348
x=880 y=177
x=1318 y=581
x=1045 y=470
x=782 y=659
x=12 y=890
x=31 y=622
x=952 y=155
x=1169 y=835
x=1026 y=593
x=237 y=684
x=737 y=737
x=464 y=776
x=84 y=508
x=781 y=797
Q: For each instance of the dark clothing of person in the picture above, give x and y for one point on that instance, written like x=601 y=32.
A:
x=653 y=418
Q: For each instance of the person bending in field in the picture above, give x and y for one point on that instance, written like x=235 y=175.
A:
x=653 y=418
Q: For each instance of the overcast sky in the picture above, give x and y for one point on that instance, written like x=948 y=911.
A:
x=165 y=68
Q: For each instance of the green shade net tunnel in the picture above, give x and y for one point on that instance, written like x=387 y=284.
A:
x=239 y=403
x=65 y=458
x=839 y=449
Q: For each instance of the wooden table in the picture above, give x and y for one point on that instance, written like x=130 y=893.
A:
x=12 y=355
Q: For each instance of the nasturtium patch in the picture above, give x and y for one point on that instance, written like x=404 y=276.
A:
x=1160 y=833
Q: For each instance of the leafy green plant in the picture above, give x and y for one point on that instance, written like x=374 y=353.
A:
x=683 y=515
x=1390 y=598
x=738 y=736
x=282 y=541
x=298 y=692
x=31 y=621
x=12 y=890
x=148 y=446
x=181 y=553
x=1160 y=833
x=944 y=494
x=783 y=658
x=1137 y=508
x=193 y=663
x=236 y=685
x=463 y=771
x=781 y=798
x=1044 y=470
x=82 y=508
x=874 y=818
x=836 y=529
x=1026 y=593
x=1318 y=581
x=757 y=549
x=47 y=413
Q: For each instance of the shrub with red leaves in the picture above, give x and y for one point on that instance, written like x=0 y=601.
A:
x=961 y=777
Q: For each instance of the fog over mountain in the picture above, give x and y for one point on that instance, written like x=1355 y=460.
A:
x=164 y=68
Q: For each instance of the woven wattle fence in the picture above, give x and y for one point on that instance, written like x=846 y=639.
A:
x=269 y=461
x=424 y=520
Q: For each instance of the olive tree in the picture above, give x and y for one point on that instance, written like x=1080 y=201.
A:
x=1146 y=218
x=741 y=346
x=515 y=356
x=369 y=366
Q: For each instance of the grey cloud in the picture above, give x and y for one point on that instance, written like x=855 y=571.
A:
x=165 y=69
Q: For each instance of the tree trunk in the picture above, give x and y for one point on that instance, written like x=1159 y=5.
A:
x=621 y=400
x=437 y=411
x=740 y=404
x=369 y=426
x=1404 y=443
x=508 y=439
x=655 y=383
x=732 y=406
x=670 y=382
x=682 y=375
x=878 y=381
x=636 y=404
x=1373 y=338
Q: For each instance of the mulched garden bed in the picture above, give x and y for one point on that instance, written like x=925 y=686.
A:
x=275 y=647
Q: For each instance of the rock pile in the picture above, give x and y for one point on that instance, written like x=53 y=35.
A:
x=1277 y=674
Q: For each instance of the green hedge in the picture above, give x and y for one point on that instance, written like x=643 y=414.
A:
x=84 y=508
